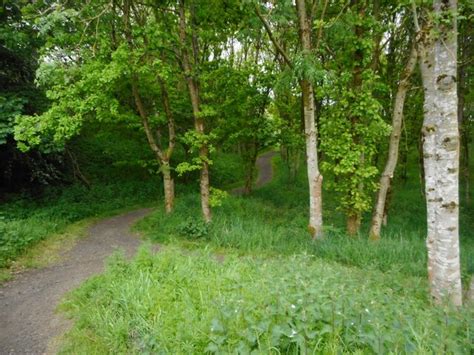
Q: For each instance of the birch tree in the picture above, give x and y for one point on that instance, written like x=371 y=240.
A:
x=397 y=119
x=437 y=46
x=315 y=178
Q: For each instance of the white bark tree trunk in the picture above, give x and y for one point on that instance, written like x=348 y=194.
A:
x=438 y=61
x=315 y=178
x=397 y=119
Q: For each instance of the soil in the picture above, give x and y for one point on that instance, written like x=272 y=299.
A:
x=28 y=320
x=265 y=172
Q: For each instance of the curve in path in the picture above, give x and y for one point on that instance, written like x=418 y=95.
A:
x=265 y=172
x=27 y=304
x=28 y=322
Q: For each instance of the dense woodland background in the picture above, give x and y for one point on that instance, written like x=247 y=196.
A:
x=107 y=105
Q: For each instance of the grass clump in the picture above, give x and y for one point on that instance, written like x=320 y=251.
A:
x=192 y=304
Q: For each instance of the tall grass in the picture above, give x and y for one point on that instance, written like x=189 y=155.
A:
x=26 y=220
x=274 y=219
x=175 y=303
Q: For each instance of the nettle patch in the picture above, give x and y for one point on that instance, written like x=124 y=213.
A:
x=179 y=303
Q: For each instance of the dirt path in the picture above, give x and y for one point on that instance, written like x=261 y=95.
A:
x=265 y=172
x=28 y=323
x=27 y=304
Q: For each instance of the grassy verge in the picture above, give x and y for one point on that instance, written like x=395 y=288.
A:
x=273 y=222
x=46 y=251
x=26 y=222
x=193 y=304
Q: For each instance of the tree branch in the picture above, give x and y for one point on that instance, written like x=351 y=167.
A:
x=272 y=38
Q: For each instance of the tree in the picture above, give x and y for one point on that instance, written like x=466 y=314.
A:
x=315 y=178
x=190 y=73
x=397 y=119
x=105 y=64
x=437 y=46
x=352 y=124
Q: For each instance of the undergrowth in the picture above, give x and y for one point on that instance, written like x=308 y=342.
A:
x=193 y=303
x=26 y=221
x=273 y=222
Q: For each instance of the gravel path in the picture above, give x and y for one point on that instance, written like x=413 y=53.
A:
x=28 y=323
x=265 y=172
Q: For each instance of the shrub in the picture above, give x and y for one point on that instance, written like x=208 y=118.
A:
x=194 y=229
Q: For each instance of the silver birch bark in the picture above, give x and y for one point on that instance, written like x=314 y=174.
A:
x=315 y=178
x=438 y=62
x=397 y=119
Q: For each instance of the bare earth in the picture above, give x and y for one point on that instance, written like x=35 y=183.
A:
x=265 y=172
x=28 y=322
x=27 y=304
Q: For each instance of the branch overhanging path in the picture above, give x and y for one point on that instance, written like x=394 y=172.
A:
x=29 y=323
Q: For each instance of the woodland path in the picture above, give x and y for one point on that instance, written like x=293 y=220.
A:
x=28 y=321
x=264 y=169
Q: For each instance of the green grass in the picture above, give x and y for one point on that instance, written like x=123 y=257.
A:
x=273 y=221
x=26 y=221
x=193 y=303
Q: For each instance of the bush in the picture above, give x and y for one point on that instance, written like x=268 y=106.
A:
x=194 y=229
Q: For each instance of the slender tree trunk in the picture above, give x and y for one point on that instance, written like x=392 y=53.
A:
x=161 y=157
x=387 y=175
x=438 y=61
x=163 y=160
x=353 y=224
x=168 y=184
x=250 y=169
x=465 y=50
x=470 y=291
x=193 y=88
x=315 y=179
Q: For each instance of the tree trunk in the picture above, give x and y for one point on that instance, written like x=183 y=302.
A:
x=161 y=157
x=387 y=175
x=465 y=50
x=354 y=216
x=353 y=224
x=470 y=291
x=441 y=154
x=168 y=184
x=193 y=88
x=315 y=178
x=250 y=168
